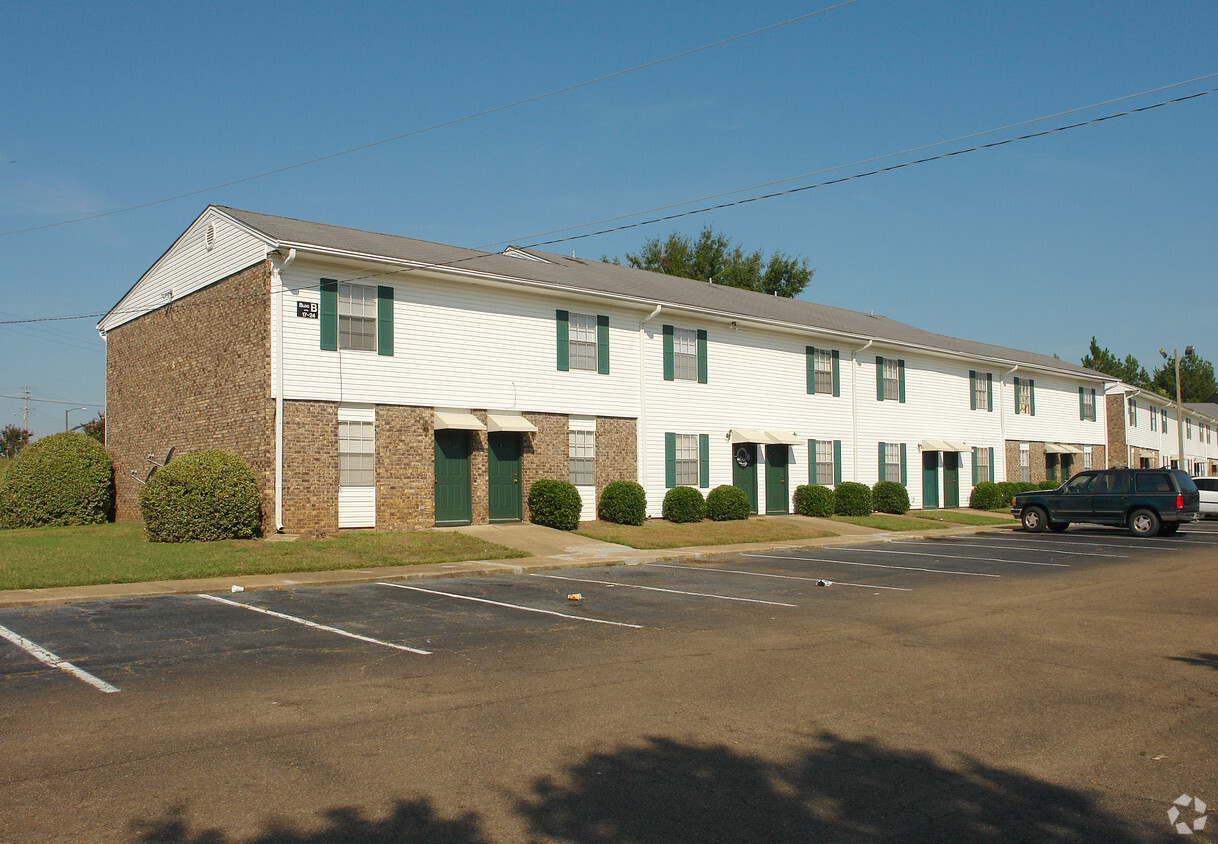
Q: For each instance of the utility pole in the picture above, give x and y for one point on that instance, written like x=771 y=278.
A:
x=25 y=413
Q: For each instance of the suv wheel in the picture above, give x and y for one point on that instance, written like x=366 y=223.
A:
x=1143 y=523
x=1034 y=519
x=1169 y=529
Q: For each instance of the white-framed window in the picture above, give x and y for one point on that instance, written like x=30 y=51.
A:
x=1133 y=412
x=1154 y=419
x=582 y=339
x=981 y=390
x=356 y=454
x=892 y=461
x=1025 y=462
x=1024 y=396
x=1086 y=458
x=1164 y=418
x=357 y=316
x=686 y=457
x=985 y=472
x=824 y=462
x=583 y=457
x=1089 y=405
x=685 y=354
x=1188 y=428
x=824 y=375
x=892 y=380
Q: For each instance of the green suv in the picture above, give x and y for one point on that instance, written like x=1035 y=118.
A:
x=1148 y=501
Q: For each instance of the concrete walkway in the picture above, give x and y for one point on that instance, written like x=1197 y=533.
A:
x=547 y=549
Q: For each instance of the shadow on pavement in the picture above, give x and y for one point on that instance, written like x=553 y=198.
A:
x=661 y=790
x=1198 y=658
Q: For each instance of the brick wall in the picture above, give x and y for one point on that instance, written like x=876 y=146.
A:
x=1118 y=445
x=192 y=375
x=310 y=466
x=616 y=451
x=546 y=453
x=405 y=467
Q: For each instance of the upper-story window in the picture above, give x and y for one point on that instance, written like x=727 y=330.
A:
x=1086 y=403
x=356 y=316
x=1154 y=419
x=1133 y=412
x=583 y=341
x=823 y=371
x=889 y=379
x=981 y=387
x=1164 y=419
x=685 y=354
x=1188 y=428
x=1025 y=396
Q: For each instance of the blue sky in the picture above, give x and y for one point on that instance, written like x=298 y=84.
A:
x=1108 y=229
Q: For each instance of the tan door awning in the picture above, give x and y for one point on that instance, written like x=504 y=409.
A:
x=1061 y=448
x=943 y=445
x=512 y=422
x=459 y=419
x=956 y=445
x=749 y=435
x=784 y=438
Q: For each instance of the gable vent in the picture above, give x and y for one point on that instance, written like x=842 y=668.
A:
x=209 y=238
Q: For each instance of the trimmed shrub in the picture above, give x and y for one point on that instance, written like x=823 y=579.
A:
x=202 y=497
x=1048 y=484
x=890 y=497
x=63 y=479
x=988 y=495
x=852 y=499
x=555 y=504
x=727 y=503
x=624 y=503
x=684 y=504
x=814 y=500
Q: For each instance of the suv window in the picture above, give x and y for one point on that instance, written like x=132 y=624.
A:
x=1111 y=482
x=1207 y=484
x=1153 y=482
x=1081 y=483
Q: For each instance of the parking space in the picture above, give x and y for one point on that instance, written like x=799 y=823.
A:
x=108 y=646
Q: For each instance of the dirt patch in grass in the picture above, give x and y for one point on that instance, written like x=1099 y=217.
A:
x=118 y=553
x=965 y=518
x=657 y=533
x=884 y=521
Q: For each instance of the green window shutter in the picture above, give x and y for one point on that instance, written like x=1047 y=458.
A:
x=901 y=379
x=384 y=321
x=837 y=375
x=562 y=320
x=701 y=356
x=991 y=477
x=904 y=474
x=972 y=389
x=812 y=461
x=976 y=479
x=704 y=460
x=602 y=344
x=879 y=378
x=1016 y=395
x=837 y=461
x=811 y=361
x=989 y=392
x=669 y=369
x=1032 y=396
x=1082 y=404
x=670 y=459
x=329 y=315
x=883 y=455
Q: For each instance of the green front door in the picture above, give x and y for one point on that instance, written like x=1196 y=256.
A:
x=777 y=499
x=503 y=477
x=453 y=499
x=930 y=480
x=744 y=471
x=951 y=479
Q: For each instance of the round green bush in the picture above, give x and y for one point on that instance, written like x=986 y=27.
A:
x=202 y=497
x=727 y=503
x=684 y=504
x=1049 y=484
x=624 y=503
x=814 y=500
x=63 y=479
x=890 y=497
x=555 y=504
x=852 y=499
x=987 y=495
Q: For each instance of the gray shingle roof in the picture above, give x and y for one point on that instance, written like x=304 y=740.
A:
x=653 y=288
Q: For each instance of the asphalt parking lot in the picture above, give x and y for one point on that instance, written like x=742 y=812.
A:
x=987 y=687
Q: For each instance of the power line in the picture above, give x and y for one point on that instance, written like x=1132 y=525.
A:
x=433 y=127
x=705 y=209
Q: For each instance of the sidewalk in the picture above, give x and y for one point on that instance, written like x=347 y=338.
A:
x=548 y=549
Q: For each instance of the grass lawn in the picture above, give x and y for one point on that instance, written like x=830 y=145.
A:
x=964 y=518
x=117 y=553
x=883 y=521
x=657 y=533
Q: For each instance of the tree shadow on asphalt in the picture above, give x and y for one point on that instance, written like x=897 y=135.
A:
x=662 y=790
x=1205 y=660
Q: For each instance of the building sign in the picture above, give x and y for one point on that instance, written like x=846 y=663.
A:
x=308 y=310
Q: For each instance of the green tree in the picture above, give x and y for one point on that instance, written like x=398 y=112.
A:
x=1128 y=370
x=713 y=257
x=96 y=428
x=12 y=440
x=1196 y=379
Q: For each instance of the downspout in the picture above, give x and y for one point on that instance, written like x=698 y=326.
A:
x=854 y=408
x=277 y=291
x=641 y=435
x=1002 y=420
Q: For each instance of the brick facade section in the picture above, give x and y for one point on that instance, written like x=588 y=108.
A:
x=1118 y=445
x=617 y=453
x=546 y=453
x=405 y=467
x=310 y=467
x=193 y=375
x=1038 y=463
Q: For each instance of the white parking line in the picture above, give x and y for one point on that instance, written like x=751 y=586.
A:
x=779 y=576
x=970 y=557
x=670 y=591
x=1132 y=541
x=43 y=655
x=509 y=606
x=315 y=625
x=872 y=565
x=1033 y=548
